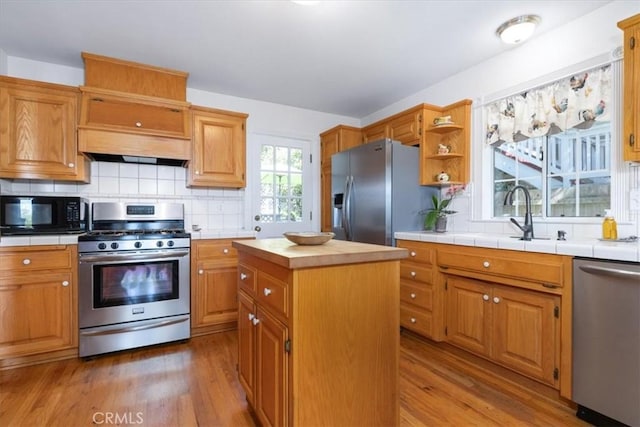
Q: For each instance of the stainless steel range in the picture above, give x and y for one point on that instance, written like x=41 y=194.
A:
x=133 y=271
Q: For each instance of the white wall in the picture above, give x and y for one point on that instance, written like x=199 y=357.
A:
x=212 y=209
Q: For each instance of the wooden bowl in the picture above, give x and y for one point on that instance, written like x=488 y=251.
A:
x=309 y=237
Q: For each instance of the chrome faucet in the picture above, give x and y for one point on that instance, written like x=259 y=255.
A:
x=527 y=228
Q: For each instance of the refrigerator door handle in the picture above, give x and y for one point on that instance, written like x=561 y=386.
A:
x=346 y=212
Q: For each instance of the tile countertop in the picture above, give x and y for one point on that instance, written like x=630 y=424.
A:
x=590 y=248
x=72 y=239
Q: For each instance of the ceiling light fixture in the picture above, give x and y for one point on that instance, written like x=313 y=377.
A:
x=518 y=29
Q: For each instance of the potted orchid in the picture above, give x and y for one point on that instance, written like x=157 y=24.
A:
x=436 y=216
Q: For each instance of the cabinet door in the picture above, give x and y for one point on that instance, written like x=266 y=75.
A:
x=38 y=133
x=271 y=371
x=246 y=345
x=375 y=132
x=468 y=314
x=36 y=313
x=526 y=331
x=631 y=91
x=219 y=150
x=407 y=128
x=215 y=293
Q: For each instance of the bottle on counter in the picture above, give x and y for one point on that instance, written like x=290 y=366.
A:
x=609 y=226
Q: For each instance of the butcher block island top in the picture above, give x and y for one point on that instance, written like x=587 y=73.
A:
x=319 y=332
x=334 y=252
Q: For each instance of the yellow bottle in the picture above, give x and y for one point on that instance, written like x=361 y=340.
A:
x=609 y=226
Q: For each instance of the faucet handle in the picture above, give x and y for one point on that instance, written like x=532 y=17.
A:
x=562 y=234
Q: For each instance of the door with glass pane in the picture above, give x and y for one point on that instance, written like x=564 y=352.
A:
x=282 y=198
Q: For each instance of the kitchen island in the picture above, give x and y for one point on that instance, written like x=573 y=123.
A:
x=318 y=332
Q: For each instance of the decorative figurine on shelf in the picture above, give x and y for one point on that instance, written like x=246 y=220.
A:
x=443 y=149
x=443 y=177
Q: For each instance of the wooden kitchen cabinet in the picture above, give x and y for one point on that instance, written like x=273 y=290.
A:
x=408 y=127
x=38 y=137
x=421 y=291
x=631 y=88
x=38 y=304
x=375 y=131
x=214 y=298
x=516 y=328
x=219 y=149
x=339 y=138
x=318 y=338
x=455 y=136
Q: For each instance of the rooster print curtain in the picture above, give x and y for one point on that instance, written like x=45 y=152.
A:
x=574 y=102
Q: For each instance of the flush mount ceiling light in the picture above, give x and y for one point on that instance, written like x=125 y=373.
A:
x=518 y=29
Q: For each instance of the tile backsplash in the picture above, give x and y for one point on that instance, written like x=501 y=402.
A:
x=208 y=208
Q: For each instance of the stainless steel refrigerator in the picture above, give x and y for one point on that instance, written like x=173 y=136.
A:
x=375 y=192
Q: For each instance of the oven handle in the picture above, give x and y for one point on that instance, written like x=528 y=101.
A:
x=138 y=256
x=134 y=328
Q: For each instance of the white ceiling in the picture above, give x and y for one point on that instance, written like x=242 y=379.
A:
x=350 y=58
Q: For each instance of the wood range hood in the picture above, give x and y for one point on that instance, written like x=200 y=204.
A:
x=134 y=113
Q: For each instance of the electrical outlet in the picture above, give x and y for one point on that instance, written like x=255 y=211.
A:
x=634 y=200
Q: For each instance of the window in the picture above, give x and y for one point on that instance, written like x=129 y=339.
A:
x=556 y=142
x=281 y=184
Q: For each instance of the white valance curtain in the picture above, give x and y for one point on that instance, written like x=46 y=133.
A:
x=573 y=102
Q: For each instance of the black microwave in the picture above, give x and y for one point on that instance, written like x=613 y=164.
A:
x=20 y=215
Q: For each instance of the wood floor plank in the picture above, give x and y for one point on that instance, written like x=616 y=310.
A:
x=195 y=384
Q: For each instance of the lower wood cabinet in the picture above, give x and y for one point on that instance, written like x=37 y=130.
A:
x=515 y=327
x=38 y=298
x=214 y=299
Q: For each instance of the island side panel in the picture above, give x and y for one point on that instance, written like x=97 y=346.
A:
x=345 y=344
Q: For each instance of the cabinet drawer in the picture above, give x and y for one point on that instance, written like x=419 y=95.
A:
x=214 y=249
x=37 y=259
x=416 y=273
x=247 y=279
x=418 y=252
x=415 y=320
x=420 y=295
x=533 y=267
x=274 y=293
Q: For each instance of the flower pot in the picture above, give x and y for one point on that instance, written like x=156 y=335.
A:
x=441 y=224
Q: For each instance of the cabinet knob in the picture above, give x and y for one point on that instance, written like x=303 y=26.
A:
x=26 y=261
x=486 y=264
x=255 y=321
x=197 y=172
x=72 y=165
x=413 y=253
x=413 y=296
x=200 y=271
x=225 y=251
x=496 y=300
x=413 y=274
x=267 y=292
x=251 y=316
x=138 y=124
x=65 y=283
x=413 y=320
x=243 y=276
x=485 y=297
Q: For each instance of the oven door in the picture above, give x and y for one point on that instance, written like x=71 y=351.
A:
x=130 y=286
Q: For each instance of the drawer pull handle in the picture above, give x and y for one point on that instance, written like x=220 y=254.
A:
x=200 y=271
x=251 y=316
x=413 y=296
x=550 y=286
x=267 y=292
x=485 y=297
x=65 y=283
x=26 y=261
x=255 y=321
x=138 y=124
x=225 y=251
x=243 y=276
x=413 y=253
x=71 y=165
x=486 y=264
x=496 y=300
x=413 y=320
x=413 y=274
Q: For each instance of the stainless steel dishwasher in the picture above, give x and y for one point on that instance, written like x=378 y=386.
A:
x=606 y=341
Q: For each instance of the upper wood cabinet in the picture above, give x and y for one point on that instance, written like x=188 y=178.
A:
x=218 y=149
x=38 y=131
x=407 y=127
x=375 y=132
x=631 y=88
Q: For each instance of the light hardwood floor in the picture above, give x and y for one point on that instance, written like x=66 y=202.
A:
x=195 y=384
